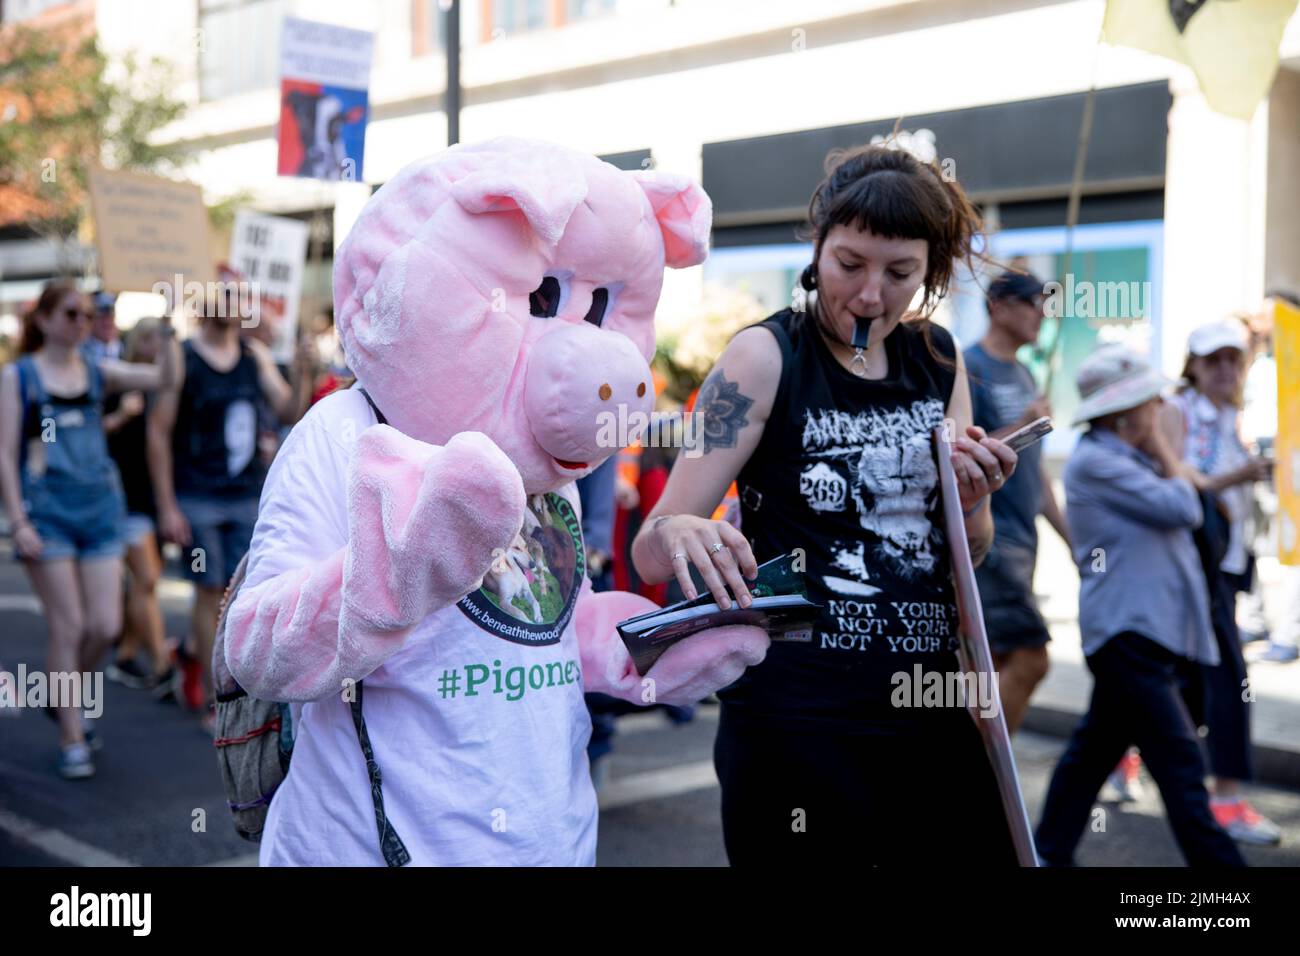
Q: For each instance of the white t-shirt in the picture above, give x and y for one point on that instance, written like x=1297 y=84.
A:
x=498 y=776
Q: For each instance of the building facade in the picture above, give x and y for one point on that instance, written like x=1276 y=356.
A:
x=1189 y=214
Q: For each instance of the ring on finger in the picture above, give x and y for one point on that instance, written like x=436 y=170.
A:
x=716 y=547
x=678 y=555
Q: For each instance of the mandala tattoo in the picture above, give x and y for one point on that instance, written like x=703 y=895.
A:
x=723 y=408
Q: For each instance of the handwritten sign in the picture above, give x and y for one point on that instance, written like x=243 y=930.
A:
x=269 y=252
x=147 y=229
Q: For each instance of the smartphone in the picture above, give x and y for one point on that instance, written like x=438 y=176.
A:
x=1022 y=438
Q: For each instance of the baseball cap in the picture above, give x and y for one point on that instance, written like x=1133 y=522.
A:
x=104 y=301
x=1209 y=338
x=1016 y=285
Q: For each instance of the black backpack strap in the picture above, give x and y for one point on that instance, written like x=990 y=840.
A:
x=379 y=416
x=395 y=852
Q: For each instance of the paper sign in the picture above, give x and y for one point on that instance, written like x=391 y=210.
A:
x=1286 y=351
x=324 y=99
x=269 y=252
x=148 y=229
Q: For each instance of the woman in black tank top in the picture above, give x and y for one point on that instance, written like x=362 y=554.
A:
x=824 y=416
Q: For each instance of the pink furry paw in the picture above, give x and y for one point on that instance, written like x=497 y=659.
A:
x=427 y=521
x=705 y=663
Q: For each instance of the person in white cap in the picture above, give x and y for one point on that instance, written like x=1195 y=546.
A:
x=1144 y=612
x=1201 y=425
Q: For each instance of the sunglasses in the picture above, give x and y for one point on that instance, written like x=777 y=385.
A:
x=75 y=314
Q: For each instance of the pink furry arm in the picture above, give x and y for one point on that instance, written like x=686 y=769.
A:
x=423 y=524
x=687 y=672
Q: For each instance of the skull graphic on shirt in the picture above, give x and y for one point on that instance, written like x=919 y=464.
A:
x=895 y=489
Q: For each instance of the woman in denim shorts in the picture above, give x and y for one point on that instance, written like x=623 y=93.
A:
x=62 y=493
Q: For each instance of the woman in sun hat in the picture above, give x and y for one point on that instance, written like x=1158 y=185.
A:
x=1201 y=427
x=1144 y=613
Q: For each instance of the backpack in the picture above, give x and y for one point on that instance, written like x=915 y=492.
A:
x=254 y=738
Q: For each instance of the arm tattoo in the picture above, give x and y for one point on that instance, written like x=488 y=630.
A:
x=723 y=408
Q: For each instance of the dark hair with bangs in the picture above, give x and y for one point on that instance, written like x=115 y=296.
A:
x=887 y=190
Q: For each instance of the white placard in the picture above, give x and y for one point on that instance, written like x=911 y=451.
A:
x=269 y=252
x=324 y=53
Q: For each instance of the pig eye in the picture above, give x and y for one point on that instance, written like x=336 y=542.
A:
x=544 y=302
x=599 y=302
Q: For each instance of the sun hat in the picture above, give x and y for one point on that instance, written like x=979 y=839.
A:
x=1114 y=378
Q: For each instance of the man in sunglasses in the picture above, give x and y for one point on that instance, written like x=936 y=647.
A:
x=1005 y=396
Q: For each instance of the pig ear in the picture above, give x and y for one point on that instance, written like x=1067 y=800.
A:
x=545 y=188
x=684 y=212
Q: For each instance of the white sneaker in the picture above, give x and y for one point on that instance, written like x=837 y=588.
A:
x=75 y=762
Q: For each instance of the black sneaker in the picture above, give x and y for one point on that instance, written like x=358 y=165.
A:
x=167 y=686
x=130 y=674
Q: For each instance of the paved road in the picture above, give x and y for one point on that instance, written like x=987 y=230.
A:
x=157 y=781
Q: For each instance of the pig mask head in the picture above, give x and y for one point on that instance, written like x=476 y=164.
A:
x=509 y=287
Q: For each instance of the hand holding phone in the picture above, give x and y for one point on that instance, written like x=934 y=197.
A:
x=1022 y=438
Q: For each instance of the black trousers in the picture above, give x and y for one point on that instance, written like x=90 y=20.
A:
x=810 y=798
x=1135 y=699
x=1216 y=696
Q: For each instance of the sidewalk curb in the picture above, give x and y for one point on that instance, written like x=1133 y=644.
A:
x=1273 y=765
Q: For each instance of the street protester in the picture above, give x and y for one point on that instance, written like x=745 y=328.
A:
x=1004 y=398
x=417 y=578
x=824 y=415
x=1201 y=425
x=205 y=467
x=63 y=495
x=1144 y=612
x=104 y=340
x=124 y=422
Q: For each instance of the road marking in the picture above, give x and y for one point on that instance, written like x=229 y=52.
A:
x=20 y=602
x=248 y=859
x=653 y=720
x=56 y=843
x=657 y=784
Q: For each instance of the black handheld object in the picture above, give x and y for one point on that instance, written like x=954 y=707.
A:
x=861 y=332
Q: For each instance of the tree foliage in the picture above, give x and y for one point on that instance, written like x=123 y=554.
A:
x=66 y=105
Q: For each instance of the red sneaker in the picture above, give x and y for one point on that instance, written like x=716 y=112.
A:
x=192 y=696
x=1124 y=785
x=1244 y=823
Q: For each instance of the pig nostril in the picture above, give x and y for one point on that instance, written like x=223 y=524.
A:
x=640 y=390
x=605 y=393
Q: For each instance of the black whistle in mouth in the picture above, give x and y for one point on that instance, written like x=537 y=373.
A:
x=862 y=331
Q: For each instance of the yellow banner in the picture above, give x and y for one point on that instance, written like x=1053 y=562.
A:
x=1286 y=350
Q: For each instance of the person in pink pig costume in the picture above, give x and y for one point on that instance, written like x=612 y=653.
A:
x=493 y=300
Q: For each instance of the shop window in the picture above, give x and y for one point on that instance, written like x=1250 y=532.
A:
x=1112 y=294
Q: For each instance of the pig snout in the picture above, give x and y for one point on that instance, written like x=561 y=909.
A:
x=588 y=392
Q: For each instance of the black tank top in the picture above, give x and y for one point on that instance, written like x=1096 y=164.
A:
x=846 y=471
x=214 y=444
